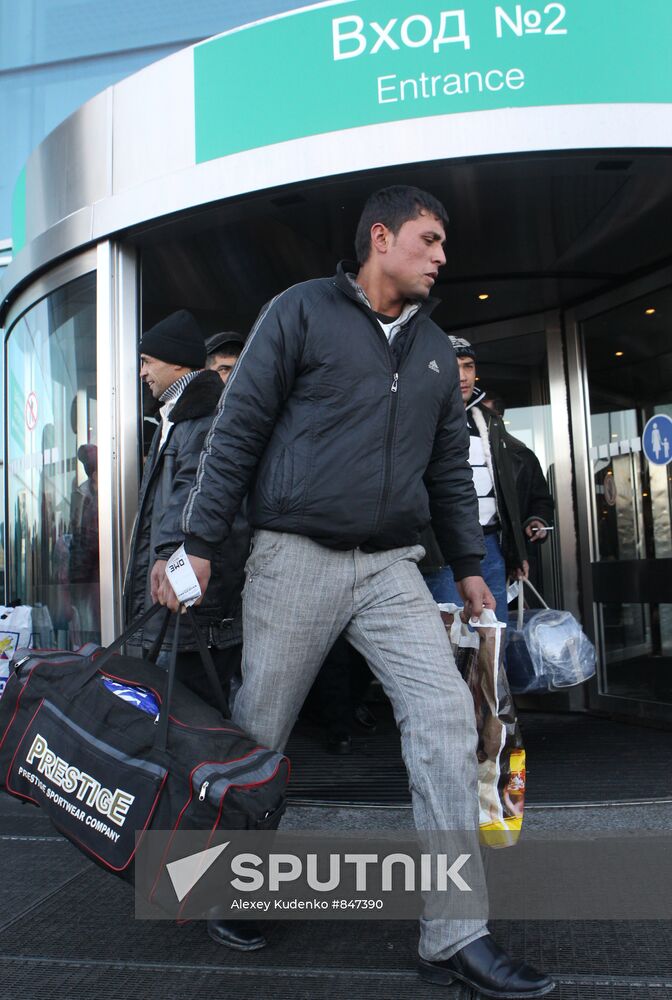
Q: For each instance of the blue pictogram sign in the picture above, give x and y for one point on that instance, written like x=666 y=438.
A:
x=657 y=439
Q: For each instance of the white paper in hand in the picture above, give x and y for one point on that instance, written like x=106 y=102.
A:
x=182 y=577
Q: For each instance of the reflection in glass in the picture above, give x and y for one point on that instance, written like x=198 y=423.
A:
x=53 y=562
x=629 y=361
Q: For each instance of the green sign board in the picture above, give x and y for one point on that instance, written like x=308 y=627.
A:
x=19 y=213
x=343 y=65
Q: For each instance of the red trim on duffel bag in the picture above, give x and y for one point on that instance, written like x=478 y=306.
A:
x=68 y=835
x=251 y=784
x=20 y=795
x=186 y=806
x=18 y=704
x=125 y=680
x=172 y=718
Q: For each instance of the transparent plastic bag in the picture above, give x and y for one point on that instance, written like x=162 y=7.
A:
x=547 y=650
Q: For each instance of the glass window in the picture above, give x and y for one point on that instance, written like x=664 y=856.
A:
x=2 y=490
x=52 y=475
x=629 y=365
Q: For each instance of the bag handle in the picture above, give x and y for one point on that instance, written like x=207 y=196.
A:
x=155 y=648
x=521 y=600
x=208 y=663
x=134 y=627
x=98 y=661
x=163 y=718
x=528 y=583
x=161 y=738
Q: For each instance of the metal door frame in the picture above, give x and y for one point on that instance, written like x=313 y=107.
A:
x=579 y=400
x=566 y=521
x=117 y=321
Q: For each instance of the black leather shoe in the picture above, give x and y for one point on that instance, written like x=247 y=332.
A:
x=243 y=935
x=486 y=968
x=365 y=718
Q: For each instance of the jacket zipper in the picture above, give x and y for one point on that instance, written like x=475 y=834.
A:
x=392 y=413
x=388 y=450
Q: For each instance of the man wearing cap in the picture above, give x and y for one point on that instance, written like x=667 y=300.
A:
x=224 y=349
x=172 y=356
x=498 y=510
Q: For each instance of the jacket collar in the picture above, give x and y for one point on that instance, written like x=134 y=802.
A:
x=199 y=397
x=345 y=280
x=476 y=397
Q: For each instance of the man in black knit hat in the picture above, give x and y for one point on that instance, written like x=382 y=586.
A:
x=172 y=357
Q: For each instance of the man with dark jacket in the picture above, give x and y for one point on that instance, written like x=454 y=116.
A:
x=534 y=499
x=494 y=469
x=344 y=419
x=172 y=356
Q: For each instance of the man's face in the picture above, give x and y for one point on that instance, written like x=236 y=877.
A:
x=158 y=375
x=467 y=367
x=415 y=255
x=223 y=364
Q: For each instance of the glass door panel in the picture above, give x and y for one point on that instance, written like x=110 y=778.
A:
x=514 y=370
x=629 y=372
x=52 y=475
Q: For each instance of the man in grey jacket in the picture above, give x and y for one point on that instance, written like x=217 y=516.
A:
x=344 y=419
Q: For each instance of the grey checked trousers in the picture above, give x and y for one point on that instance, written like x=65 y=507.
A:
x=298 y=598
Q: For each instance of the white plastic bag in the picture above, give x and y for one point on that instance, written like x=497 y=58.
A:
x=16 y=627
x=479 y=656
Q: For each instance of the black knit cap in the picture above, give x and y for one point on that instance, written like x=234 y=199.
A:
x=177 y=339
x=462 y=347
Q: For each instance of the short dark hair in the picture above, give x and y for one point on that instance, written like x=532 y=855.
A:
x=393 y=206
x=229 y=349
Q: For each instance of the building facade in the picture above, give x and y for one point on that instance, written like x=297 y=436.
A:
x=219 y=175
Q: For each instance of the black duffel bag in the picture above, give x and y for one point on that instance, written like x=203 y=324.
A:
x=103 y=768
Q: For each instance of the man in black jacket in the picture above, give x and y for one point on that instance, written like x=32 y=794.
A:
x=172 y=355
x=494 y=470
x=343 y=418
x=535 y=502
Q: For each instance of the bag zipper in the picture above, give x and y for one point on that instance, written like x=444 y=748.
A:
x=254 y=761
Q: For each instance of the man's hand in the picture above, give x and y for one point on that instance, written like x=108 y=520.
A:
x=166 y=595
x=157 y=577
x=536 y=531
x=523 y=572
x=476 y=595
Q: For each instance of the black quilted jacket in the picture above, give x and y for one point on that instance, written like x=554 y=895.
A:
x=334 y=438
x=166 y=482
